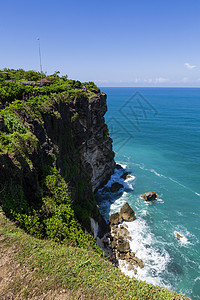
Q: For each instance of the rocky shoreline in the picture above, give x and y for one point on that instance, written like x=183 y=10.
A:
x=116 y=242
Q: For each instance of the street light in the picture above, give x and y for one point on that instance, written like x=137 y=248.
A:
x=40 y=59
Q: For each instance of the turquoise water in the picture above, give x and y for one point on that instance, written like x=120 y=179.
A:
x=156 y=136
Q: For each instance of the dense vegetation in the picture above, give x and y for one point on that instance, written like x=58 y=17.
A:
x=45 y=192
x=49 y=211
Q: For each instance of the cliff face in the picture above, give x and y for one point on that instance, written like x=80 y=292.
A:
x=90 y=134
x=69 y=135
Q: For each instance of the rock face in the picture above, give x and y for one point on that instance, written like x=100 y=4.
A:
x=126 y=214
x=149 y=196
x=115 y=219
x=116 y=186
x=90 y=134
x=125 y=176
x=118 y=167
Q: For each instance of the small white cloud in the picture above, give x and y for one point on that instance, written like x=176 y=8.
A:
x=189 y=66
x=185 y=79
x=161 y=80
x=137 y=80
x=149 y=80
x=101 y=81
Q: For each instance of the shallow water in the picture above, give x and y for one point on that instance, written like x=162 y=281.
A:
x=156 y=137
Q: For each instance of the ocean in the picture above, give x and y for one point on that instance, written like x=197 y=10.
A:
x=156 y=138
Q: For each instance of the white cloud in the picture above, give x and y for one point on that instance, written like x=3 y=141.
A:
x=161 y=80
x=101 y=81
x=137 y=80
x=189 y=66
x=185 y=79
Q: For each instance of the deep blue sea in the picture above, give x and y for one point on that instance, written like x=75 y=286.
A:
x=156 y=137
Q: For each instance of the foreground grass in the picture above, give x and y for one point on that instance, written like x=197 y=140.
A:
x=45 y=266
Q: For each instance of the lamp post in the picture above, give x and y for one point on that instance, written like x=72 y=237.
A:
x=40 y=60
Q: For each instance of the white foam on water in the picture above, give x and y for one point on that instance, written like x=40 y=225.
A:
x=183 y=240
x=115 y=207
x=116 y=177
x=160 y=200
x=179 y=213
x=169 y=178
x=156 y=173
x=123 y=166
x=130 y=178
x=198 y=278
x=155 y=259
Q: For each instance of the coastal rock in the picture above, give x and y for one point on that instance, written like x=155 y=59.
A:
x=127 y=213
x=116 y=186
x=149 y=196
x=115 y=219
x=179 y=236
x=138 y=262
x=126 y=176
x=123 y=231
x=132 y=268
x=118 y=167
x=123 y=245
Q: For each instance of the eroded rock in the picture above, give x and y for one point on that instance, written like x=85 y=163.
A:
x=123 y=245
x=179 y=236
x=115 y=219
x=118 y=167
x=149 y=196
x=116 y=186
x=127 y=213
x=126 y=176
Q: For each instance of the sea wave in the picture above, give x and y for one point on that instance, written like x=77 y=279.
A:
x=142 y=167
x=155 y=258
x=116 y=177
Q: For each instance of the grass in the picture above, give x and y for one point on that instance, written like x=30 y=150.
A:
x=47 y=266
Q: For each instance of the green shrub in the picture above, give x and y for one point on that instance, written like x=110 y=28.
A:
x=13 y=124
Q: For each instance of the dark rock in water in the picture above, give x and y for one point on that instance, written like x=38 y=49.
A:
x=116 y=186
x=127 y=213
x=149 y=196
x=126 y=176
x=115 y=219
x=118 y=167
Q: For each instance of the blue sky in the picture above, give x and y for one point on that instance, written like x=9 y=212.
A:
x=114 y=43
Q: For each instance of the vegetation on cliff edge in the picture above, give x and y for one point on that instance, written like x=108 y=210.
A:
x=42 y=186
